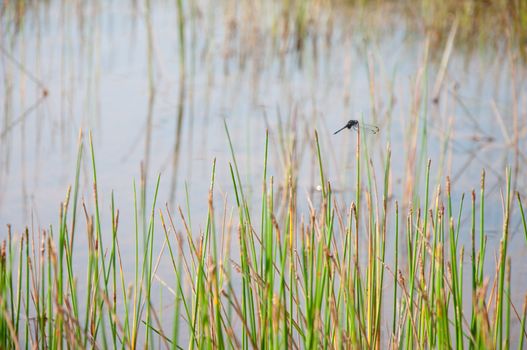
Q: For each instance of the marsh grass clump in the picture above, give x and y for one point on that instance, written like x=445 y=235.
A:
x=325 y=278
x=481 y=26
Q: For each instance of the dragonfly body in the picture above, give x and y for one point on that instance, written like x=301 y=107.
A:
x=354 y=124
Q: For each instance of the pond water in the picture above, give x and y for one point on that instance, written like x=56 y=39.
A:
x=120 y=70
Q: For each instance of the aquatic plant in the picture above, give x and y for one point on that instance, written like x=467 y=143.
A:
x=311 y=279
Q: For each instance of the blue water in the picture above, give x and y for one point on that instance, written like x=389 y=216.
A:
x=108 y=73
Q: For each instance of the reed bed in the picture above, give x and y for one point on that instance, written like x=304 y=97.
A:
x=377 y=271
x=315 y=279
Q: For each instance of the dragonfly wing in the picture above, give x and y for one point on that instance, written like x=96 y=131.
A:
x=370 y=128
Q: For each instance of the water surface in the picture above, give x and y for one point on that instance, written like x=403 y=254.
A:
x=121 y=71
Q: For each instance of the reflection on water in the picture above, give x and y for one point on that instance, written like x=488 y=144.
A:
x=177 y=140
x=155 y=81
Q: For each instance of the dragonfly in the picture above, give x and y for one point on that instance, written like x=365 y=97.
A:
x=355 y=125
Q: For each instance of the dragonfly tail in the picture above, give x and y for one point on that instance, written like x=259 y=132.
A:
x=339 y=130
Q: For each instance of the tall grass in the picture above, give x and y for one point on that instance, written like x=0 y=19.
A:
x=315 y=279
